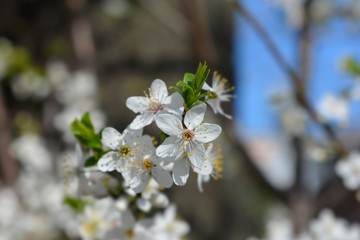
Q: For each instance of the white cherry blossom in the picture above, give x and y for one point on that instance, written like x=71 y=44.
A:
x=158 y=101
x=219 y=92
x=125 y=150
x=333 y=108
x=187 y=141
x=349 y=170
x=148 y=166
x=167 y=227
x=213 y=154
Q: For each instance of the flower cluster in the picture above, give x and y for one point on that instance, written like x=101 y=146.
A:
x=187 y=144
x=129 y=170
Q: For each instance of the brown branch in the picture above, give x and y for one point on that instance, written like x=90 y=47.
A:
x=295 y=79
x=201 y=33
x=8 y=166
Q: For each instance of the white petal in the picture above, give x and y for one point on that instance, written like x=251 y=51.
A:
x=206 y=87
x=180 y=172
x=160 y=200
x=142 y=120
x=169 y=124
x=195 y=116
x=207 y=132
x=143 y=205
x=146 y=145
x=131 y=136
x=196 y=154
x=79 y=154
x=158 y=90
x=174 y=101
x=110 y=137
x=169 y=148
x=142 y=183
x=161 y=176
x=138 y=104
x=214 y=104
x=205 y=169
x=180 y=228
x=351 y=182
x=200 y=179
x=107 y=163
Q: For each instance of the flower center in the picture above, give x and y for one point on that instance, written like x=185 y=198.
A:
x=212 y=95
x=187 y=135
x=147 y=165
x=125 y=150
x=130 y=234
x=155 y=106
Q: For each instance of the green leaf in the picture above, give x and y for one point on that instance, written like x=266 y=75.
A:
x=76 y=204
x=181 y=84
x=84 y=131
x=162 y=136
x=91 y=161
x=86 y=120
x=352 y=66
x=188 y=95
x=196 y=103
x=95 y=143
x=189 y=79
x=200 y=77
x=176 y=89
x=80 y=131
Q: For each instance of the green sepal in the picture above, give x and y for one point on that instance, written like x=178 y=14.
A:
x=91 y=161
x=163 y=136
x=77 y=204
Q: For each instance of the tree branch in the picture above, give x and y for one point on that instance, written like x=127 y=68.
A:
x=295 y=79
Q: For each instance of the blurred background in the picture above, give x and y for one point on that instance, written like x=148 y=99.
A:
x=59 y=59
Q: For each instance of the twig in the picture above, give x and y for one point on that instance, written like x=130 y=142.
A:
x=8 y=166
x=295 y=79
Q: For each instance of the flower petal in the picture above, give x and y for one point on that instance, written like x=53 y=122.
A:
x=200 y=179
x=169 y=148
x=169 y=124
x=180 y=171
x=204 y=169
x=143 y=204
x=162 y=176
x=196 y=154
x=158 y=90
x=206 y=87
x=174 y=102
x=138 y=104
x=131 y=136
x=107 y=163
x=207 y=132
x=214 y=104
x=142 y=120
x=110 y=137
x=195 y=116
x=141 y=183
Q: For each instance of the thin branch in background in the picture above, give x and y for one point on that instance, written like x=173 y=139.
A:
x=8 y=166
x=200 y=30
x=167 y=16
x=295 y=79
x=82 y=37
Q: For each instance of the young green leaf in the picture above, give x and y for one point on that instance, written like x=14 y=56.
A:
x=77 y=204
